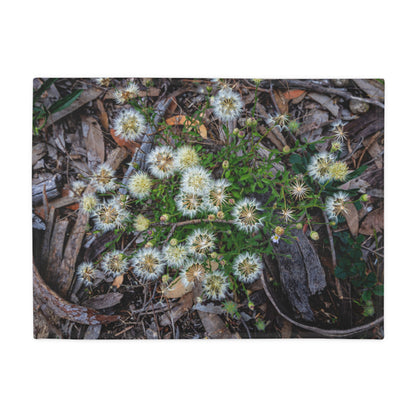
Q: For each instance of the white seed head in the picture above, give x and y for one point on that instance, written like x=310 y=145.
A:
x=124 y=95
x=191 y=271
x=139 y=185
x=227 y=105
x=114 y=263
x=186 y=157
x=86 y=273
x=161 y=161
x=215 y=285
x=247 y=267
x=319 y=165
x=175 y=256
x=336 y=204
x=89 y=202
x=200 y=243
x=217 y=196
x=189 y=204
x=109 y=216
x=103 y=178
x=129 y=125
x=246 y=214
x=141 y=223
x=148 y=263
x=196 y=180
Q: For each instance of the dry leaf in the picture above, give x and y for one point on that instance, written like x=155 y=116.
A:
x=176 y=289
x=351 y=217
x=103 y=115
x=94 y=141
x=183 y=120
x=373 y=221
x=131 y=146
x=214 y=265
x=118 y=281
x=281 y=101
x=292 y=94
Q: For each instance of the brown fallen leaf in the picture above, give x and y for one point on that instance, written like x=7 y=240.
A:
x=373 y=221
x=182 y=120
x=351 y=217
x=103 y=114
x=176 y=289
x=94 y=141
x=292 y=94
x=281 y=101
x=103 y=301
x=118 y=281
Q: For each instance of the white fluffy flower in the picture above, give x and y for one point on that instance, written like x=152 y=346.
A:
x=336 y=204
x=103 y=178
x=175 y=256
x=161 y=162
x=189 y=204
x=109 y=216
x=215 y=285
x=200 y=243
x=124 y=95
x=186 y=157
x=191 y=271
x=217 y=195
x=86 y=273
x=227 y=105
x=139 y=185
x=196 y=180
x=129 y=125
x=148 y=263
x=114 y=263
x=89 y=202
x=247 y=267
x=246 y=215
x=319 y=165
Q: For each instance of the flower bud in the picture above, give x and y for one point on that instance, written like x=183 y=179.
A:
x=148 y=244
x=236 y=131
x=299 y=225
x=214 y=255
x=220 y=215
x=251 y=305
x=225 y=164
x=173 y=242
x=251 y=122
x=164 y=218
x=209 y=88
x=231 y=201
x=314 y=235
x=211 y=217
x=165 y=278
x=279 y=230
x=241 y=134
x=286 y=149
x=364 y=197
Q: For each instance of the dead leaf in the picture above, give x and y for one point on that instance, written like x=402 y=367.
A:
x=103 y=114
x=292 y=94
x=373 y=221
x=351 y=217
x=107 y=300
x=214 y=265
x=286 y=330
x=118 y=281
x=150 y=92
x=94 y=141
x=131 y=146
x=281 y=101
x=187 y=122
x=176 y=289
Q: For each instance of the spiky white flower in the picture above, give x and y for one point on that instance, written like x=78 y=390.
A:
x=141 y=223
x=227 y=105
x=129 y=124
x=89 y=202
x=186 y=157
x=103 y=82
x=86 y=273
x=139 y=185
x=287 y=215
x=319 y=165
x=77 y=188
x=247 y=267
x=124 y=95
x=109 y=216
x=338 y=130
x=191 y=271
x=161 y=162
x=196 y=180
x=148 y=263
x=103 y=178
x=189 y=204
x=336 y=204
x=114 y=263
x=215 y=285
x=175 y=256
x=298 y=189
x=246 y=214
x=200 y=243
x=339 y=171
x=217 y=196
x=278 y=120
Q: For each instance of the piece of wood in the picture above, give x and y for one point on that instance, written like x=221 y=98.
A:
x=85 y=97
x=94 y=141
x=46 y=297
x=55 y=253
x=47 y=239
x=177 y=311
x=38 y=151
x=105 y=301
x=52 y=187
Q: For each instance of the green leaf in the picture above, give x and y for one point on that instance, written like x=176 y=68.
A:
x=43 y=88
x=65 y=102
x=356 y=173
x=379 y=290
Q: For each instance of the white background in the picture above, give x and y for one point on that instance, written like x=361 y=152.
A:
x=302 y=39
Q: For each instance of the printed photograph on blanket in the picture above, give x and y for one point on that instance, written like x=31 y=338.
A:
x=170 y=208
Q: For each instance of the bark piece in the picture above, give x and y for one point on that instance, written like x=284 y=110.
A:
x=94 y=141
x=105 y=301
x=351 y=217
x=301 y=272
x=374 y=221
x=59 y=307
x=38 y=151
x=52 y=188
x=93 y=332
x=326 y=102
x=177 y=311
x=372 y=88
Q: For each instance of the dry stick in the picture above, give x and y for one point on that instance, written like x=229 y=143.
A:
x=328 y=90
